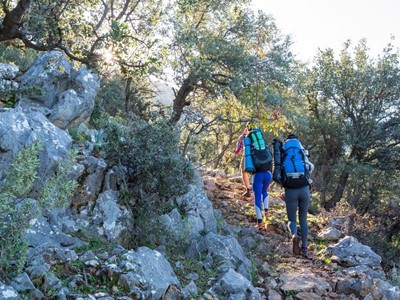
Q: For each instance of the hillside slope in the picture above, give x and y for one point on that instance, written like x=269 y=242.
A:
x=278 y=273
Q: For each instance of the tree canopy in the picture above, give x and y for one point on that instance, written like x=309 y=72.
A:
x=223 y=48
x=354 y=103
x=87 y=31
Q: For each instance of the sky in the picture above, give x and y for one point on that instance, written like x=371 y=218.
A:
x=322 y=24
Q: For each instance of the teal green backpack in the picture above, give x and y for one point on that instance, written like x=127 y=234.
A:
x=260 y=151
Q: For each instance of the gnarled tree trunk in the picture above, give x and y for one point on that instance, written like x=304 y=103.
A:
x=181 y=100
x=331 y=203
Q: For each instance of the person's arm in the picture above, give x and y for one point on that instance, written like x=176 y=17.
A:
x=239 y=145
x=309 y=164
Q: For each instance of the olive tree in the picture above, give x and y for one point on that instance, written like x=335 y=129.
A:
x=355 y=121
x=86 y=31
x=117 y=37
x=222 y=48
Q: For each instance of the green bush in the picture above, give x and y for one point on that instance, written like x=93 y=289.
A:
x=14 y=216
x=119 y=96
x=155 y=172
x=58 y=189
x=150 y=153
x=23 y=58
x=17 y=209
x=111 y=97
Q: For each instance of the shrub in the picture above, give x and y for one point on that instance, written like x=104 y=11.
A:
x=23 y=58
x=17 y=209
x=150 y=153
x=14 y=216
x=58 y=189
x=121 y=96
x=111 y=97
x=155 y=172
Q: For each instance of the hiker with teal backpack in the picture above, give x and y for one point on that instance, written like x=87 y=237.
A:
x=245 y=177
x=291 y=170
x=258 y=161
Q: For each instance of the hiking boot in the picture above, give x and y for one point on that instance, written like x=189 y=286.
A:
x=296 y=247
x=260 y=225
x=266 y=214
x=304 y=252
x=246 y=193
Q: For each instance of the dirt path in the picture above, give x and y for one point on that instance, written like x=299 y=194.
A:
x=280 y=274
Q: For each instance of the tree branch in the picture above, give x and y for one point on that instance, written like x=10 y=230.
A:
x=12 y=22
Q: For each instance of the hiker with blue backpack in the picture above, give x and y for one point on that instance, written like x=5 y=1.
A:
x=291 y=170
x=258 y=161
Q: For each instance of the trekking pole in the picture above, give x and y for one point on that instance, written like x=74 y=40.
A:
x=257 y=94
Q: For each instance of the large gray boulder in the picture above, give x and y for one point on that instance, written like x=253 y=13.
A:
x=149 y=274
x=350 y=252
x=7 y=83
x=8 y=292
x=19 y=129
x=107 y=218
x=104 y=218
x=236 y=286
x=42 y=232
x=55 y=88
x=225 y=250
x=199 y=211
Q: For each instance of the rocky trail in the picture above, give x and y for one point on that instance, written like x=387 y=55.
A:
x=280 y=274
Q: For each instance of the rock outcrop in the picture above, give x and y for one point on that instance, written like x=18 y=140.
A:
x=54 y=87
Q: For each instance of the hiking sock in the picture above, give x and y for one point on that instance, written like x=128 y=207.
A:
x=266 y=203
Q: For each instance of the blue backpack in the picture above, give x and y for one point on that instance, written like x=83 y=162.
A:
x=294 y=171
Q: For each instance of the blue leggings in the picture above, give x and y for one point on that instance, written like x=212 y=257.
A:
x=261 y=183
x=298 y=198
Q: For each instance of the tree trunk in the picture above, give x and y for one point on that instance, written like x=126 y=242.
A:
x=393 y=231
x=331 y=203
x=180 y=100
x=186 y=146
x=12 y=21
x=128 y=93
